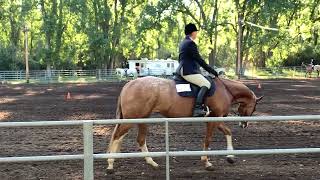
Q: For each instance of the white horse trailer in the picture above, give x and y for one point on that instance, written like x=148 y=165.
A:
x=156 y=67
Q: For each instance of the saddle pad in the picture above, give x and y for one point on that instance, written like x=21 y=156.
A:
x=186 y=89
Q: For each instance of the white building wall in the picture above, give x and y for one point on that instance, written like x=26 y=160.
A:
x=154 y=67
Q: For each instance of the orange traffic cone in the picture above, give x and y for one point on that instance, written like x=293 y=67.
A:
x=68 y=96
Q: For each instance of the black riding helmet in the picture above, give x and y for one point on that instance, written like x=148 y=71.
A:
x=189 y=28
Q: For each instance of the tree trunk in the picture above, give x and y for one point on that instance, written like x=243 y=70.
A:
x=48 y=24
x=211 y=58
x=59 y=32
x=213 y=53
x=116 y=36
x=239 y=45
x=262 y=58
x=14 y=34
x=214 y=50
x=315 y=37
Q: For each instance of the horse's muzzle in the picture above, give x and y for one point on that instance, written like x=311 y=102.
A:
x=243 y=124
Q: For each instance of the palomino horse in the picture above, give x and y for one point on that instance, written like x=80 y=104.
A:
x=140 y=97
x=309 y=69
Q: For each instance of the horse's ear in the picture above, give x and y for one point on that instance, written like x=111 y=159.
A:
x=259 y=99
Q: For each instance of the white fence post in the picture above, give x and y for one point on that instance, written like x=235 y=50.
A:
x=88 y=150
x=167 y=152
x=99 y=74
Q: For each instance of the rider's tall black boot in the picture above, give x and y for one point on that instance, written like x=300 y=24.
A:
x=198 y=110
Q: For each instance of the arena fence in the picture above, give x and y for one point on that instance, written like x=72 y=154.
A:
x=88 y=156
x=60 y=75
x=111 y=75
x=291 y=72
x=53 y=76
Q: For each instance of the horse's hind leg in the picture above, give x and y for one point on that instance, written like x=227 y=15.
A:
x=119 y=133
x=227 y=132
x=141 y=139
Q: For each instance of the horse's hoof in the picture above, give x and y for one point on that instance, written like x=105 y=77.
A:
x=209 y=168
x=153 y=164
x=231 y=160
x=155 y=167
x=110 y=171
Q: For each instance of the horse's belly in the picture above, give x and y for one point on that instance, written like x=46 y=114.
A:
x=175 y=106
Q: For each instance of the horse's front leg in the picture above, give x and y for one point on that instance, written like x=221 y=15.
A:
x=206 y=143
x=227 y=132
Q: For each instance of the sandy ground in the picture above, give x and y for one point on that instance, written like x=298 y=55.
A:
x=98 y=101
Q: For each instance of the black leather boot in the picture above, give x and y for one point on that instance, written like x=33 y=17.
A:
x=199 y=110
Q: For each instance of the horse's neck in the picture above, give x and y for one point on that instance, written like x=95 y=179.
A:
x=238 y=91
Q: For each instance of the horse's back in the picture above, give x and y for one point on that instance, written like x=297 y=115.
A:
x=141 y=96
x=146 y=83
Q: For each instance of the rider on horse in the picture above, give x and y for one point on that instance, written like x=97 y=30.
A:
x=189 y=68
x=311 y=64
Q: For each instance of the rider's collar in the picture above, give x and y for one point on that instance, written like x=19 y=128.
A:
x=190 y=38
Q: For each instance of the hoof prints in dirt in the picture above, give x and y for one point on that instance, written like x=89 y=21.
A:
x=98 y=101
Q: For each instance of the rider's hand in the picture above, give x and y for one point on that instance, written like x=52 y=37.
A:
x=215 y=73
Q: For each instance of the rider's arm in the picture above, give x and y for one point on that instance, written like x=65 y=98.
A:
x=201 y=62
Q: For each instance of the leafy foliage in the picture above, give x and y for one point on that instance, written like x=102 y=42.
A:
x=80 y=34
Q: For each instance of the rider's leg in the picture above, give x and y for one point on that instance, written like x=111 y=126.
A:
x=204 y=85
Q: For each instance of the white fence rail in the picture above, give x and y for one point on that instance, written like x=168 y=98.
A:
x=89 y=157
x=65 y=75
x=277 y=72
x=54 y=75
x=111 y=74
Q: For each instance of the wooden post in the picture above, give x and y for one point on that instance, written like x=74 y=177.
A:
x=25 y=30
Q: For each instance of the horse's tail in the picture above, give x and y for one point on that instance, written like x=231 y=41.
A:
x=118 y=116
x=119 y=109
